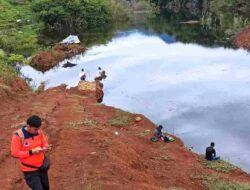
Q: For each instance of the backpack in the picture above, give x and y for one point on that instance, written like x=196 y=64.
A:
x=168 y=139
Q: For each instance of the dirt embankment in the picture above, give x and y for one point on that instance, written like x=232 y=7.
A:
x=99 y=147
x=45 y=60
x=243 y=39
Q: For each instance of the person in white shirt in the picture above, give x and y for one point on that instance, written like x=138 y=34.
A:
x=82 y=75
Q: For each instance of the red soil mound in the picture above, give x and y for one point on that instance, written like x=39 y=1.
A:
x=243 y=39
x=45 y=60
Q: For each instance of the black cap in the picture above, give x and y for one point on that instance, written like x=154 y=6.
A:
x=160 y=126
x=34 y=121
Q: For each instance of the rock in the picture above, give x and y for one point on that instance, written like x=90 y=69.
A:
x=138 y=118
x=69 y=64
x=84 y=85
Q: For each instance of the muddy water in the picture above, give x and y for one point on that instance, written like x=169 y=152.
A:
x=198 y=93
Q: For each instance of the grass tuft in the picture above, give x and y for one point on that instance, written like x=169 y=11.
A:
x=98 y=186
x=213 y=182
x=121 y=118
x=163 y=157
x=82 y=123
x=175 y=188
x=219 y=165
x=144 y=133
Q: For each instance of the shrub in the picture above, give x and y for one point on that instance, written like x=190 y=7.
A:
x=7 y=72
x=64 y=14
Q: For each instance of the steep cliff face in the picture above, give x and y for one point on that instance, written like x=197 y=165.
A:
x=100 y=147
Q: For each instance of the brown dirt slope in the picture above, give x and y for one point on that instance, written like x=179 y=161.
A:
x=87 y=152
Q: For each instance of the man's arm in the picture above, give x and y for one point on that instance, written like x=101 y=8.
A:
x=43 y=139
x=214 y=152
x=16 y=148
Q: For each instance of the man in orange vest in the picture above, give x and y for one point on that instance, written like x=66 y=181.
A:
x=29 y=144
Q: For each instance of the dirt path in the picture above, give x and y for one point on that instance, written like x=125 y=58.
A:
x=88 y=154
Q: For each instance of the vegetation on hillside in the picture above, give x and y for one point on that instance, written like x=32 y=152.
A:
x=21 y=23
x=61 y=15
x=18 y=36
x=7 y=72
x=215 y=21
x=214 y=182
x=67 y=15
x=235 y=6
x=18 y=30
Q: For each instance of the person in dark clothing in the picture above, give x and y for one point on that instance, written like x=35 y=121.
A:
x=102 y=75
x=211 y=153
x=82 y=75
x=158 y=132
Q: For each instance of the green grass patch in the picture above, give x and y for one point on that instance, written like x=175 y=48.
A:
x=144 y=133
x=82 y=123
x=120 y=121
x=219 y=165
x=98 y=104
x=18 y=30
x=213 y=182
x=11 y=12
x=20 y=41
x=122 y=118
x=7 y=72
x=98 y=186
x=175 y=188
x=163 y=157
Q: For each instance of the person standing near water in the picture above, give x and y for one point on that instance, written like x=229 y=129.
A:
x=82 y=75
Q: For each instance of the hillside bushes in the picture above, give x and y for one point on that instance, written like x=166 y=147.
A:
x=69 y=14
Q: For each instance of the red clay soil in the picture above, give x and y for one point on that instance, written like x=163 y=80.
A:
x=243 y=39
x=92 y=151
x=45 y=60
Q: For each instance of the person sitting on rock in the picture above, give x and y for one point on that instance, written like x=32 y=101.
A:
x=82 y=75
x=211 y=153
x=158 y=132
x=102 y=74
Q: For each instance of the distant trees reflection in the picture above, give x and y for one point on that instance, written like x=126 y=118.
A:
x=218 y=20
